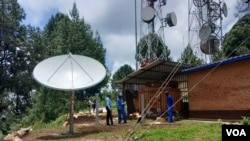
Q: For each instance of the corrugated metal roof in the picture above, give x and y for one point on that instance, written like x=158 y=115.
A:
x=154 y=72
x=211 y=65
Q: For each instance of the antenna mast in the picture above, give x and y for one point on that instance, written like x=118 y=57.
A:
x=152 y=39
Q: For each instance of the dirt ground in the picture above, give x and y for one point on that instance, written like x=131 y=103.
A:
x=87 y=129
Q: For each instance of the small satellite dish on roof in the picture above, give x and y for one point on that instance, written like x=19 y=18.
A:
x=224 y=9
x=205 y=31
x=171 y=19
x=69 y=72
x=210 y=45
x=147 y=14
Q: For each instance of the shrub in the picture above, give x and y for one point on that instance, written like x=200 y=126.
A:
x=245 y=120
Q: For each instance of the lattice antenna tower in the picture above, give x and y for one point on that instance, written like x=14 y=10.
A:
x=152 y=25
x=208 y=27
x=194 y=25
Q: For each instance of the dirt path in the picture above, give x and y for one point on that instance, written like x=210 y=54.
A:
x=85 y=128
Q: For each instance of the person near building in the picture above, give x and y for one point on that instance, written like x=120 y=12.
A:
x=121 y=110
x=169 y=107
x=109 y=117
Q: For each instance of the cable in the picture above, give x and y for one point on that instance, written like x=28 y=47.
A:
x=198 y=82
x=154 y=98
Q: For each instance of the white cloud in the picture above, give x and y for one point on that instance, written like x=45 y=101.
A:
x=120 y=50
x=36 y=11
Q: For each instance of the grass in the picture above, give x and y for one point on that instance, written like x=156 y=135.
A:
x=184 y=131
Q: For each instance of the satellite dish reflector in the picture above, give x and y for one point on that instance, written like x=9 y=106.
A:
x=210 y=45
x=69 y=72
x=205 y=31
x=147 y=14
x=224 y=9
x=171 y=19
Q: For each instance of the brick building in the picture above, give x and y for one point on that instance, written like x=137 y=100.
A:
x=220 y=90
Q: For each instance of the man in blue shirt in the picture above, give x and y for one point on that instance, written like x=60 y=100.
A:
x=169 y=107
x=109 y=116
x=120 y=109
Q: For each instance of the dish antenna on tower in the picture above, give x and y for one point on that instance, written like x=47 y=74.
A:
x=224 y=9
x=210 y=45
x=205 y=31
x=171 y=19
x=147 y=14
x=152 y=31
x=205 y=22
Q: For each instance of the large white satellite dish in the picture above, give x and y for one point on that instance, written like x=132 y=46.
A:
x=69 y=72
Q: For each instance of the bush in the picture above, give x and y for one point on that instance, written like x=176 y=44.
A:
x=245 y=120
x=58 y=122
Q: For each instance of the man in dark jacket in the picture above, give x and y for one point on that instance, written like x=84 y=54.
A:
x=109 y=117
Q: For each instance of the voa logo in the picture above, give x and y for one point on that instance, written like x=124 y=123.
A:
x=236 y=132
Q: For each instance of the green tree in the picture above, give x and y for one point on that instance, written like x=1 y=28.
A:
x=152 y=46
x=65 y=34
x=189 y=57
x=122 y=72
x=56 y=35
x=48 y=105
x=237 y=40
x=16 y=60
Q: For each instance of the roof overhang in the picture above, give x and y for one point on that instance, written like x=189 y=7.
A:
x=156 y=71
x=215 y=64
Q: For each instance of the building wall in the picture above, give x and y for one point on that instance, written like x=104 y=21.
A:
x=159 y=105
x=220 y=92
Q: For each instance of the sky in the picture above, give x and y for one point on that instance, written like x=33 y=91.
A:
x=115 y=22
